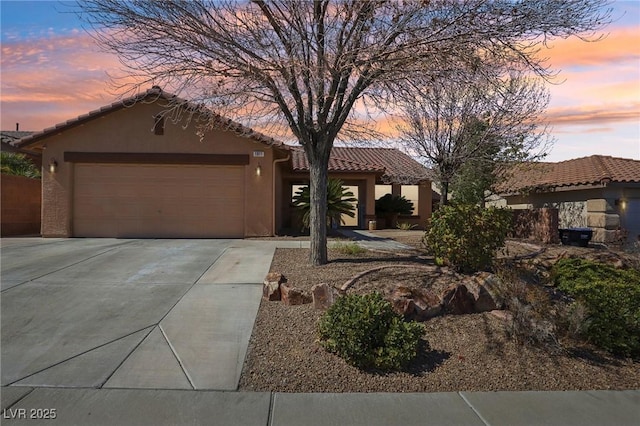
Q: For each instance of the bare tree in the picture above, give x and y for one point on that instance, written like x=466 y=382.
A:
x=476 y=120
x=313 y=67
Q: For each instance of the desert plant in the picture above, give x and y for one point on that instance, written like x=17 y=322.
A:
x=367 y=333
x=13 y=163
x=339 y=202
x=351 y=249
x=393 y=204
x=406 y=226
x=611 y=297
x=534 y=317
x=466 y=237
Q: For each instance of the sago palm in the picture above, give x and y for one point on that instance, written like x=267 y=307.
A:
x=339 y=202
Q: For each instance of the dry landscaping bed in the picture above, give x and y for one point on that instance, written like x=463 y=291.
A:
x=460 y=352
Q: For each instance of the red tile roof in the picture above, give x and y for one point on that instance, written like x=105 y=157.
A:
x=593 y=170
x=393 y=165
x=152 y=95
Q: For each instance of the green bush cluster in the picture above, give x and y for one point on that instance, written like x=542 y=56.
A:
x=367 y=333
x=466 y=237
x=13 y=163
x=612 y=299
x=393 y=204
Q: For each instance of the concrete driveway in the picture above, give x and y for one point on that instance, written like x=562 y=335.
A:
x=111 y=313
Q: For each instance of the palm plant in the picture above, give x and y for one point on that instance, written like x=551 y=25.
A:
x=339 y=202
x=17 y=164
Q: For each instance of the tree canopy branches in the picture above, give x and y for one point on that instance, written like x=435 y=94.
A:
x=309 y=66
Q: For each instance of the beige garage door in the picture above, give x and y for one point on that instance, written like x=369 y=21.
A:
x=164 y=201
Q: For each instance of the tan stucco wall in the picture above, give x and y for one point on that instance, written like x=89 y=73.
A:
x=130 y=130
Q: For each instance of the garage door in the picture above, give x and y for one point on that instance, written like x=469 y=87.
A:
x=164 y=201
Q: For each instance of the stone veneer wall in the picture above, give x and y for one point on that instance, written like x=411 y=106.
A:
x=603 y=218
x=540 y=225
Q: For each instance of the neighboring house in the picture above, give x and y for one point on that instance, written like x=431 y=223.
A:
x=9 y=139
x=121 y=171
x=600 y=192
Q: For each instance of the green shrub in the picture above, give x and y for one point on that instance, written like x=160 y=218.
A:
x=351 y=249
x=340 y=202
x=612 y=299
x=393 y=204
x=367 y=333
x=466 y=237
x=17 y=164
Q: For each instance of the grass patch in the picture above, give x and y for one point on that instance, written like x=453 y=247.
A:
x=349 y=249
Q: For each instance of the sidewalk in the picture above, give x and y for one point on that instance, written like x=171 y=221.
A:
x=175 y=407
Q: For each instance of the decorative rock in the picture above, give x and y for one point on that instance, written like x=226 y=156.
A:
x=484 y=300
x=275 y=276
x=428 y=304
x=483 y=289
x=415 y=304
x=458 y=301
x=293 y=296
x=322 y=295
x=404 y=307
x=271 y=289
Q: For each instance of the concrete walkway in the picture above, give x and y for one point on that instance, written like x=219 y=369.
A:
x=371 y=241
x=172 y=407
x=106 y=313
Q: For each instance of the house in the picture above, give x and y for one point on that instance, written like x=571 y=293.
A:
x=600 y=192
x=124 y=171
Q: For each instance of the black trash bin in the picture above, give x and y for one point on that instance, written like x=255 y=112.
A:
x=575 y=236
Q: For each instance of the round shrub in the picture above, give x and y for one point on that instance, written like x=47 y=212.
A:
x=466 y=237
x=367 y=333
x=612 y=300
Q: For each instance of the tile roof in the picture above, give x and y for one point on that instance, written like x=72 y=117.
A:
x=151 y=95
x=593 y=170
x=12 y=136
x=393 y=166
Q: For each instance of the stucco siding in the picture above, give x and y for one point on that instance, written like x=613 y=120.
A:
x=130 y=130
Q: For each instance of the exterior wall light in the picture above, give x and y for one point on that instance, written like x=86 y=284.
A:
x=258 y=170
x=53 y=166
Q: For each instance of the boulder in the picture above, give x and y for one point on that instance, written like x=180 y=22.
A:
x=457 y=300
x=293 y=296
x=415 y=303
x=271 y=288
x=428 y=304
x=323 y=296
x=484 y=290
x=404 y=307
x=271 y=291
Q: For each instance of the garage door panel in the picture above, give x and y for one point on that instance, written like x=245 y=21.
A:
x=158 y=201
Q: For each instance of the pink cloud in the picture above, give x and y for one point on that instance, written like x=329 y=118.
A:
x=621 y=44
x=46 y=81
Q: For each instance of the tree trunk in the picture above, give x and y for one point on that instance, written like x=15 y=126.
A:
x=318 y=218
x=444 y=197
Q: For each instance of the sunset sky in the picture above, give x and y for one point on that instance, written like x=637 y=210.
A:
x=51 y=71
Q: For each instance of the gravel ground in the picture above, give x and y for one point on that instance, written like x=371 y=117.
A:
x=459 y=353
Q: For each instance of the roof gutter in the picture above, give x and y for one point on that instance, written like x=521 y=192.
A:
x=273 y=191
